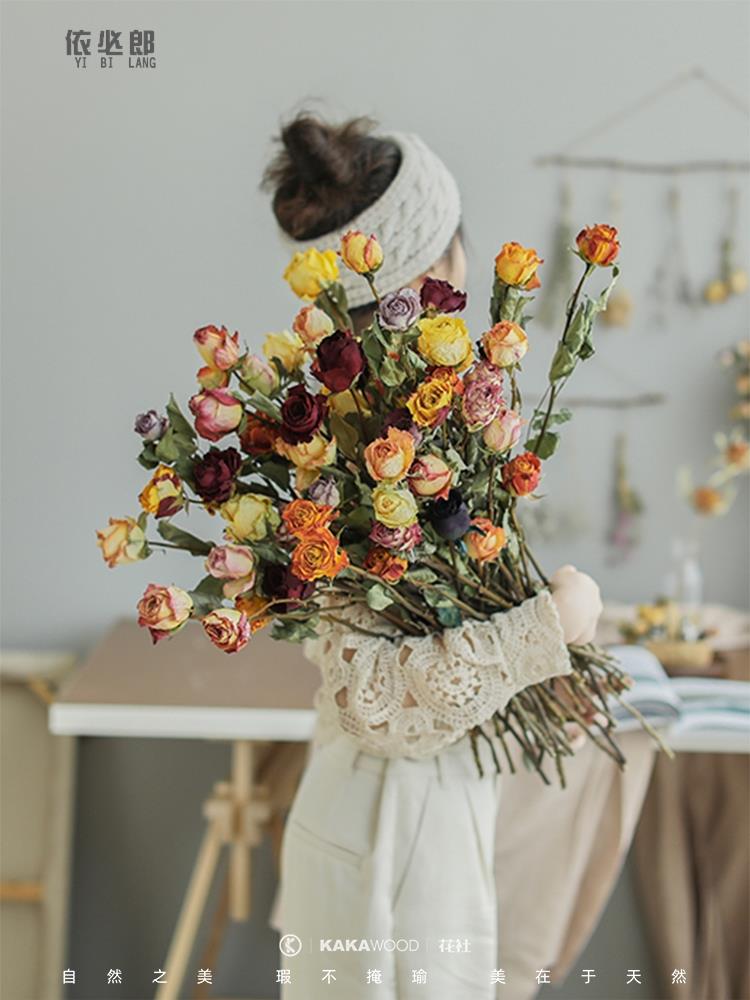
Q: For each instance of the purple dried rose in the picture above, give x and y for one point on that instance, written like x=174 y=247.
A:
x=150 y=425
x=441 y=296
x=399 y=310
x=450 y=517
x=324 y=492
x=396 y=539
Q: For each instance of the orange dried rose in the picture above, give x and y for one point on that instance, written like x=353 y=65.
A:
x=485 y=540
x=318 y=554
x=598 y=245
x=387 y=565
x=303 y=516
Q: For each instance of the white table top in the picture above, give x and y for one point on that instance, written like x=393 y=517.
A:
x=184 y=688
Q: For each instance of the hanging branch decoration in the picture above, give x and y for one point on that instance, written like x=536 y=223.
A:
x=715 y=496
x=624 y=534
x=732 y=279
x=620 y=306
x=671 y=279
x=559 y=278
x=612 y=163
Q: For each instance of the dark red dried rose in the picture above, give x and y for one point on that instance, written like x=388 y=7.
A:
x=280 y=583
x=339 y=361
x=215 y=472
x=441 y=295
x=301 y=415
x=258 y=435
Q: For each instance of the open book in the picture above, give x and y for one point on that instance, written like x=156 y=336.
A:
x=693 y=713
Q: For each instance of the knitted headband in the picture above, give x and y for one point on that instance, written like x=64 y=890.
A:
x=414 y=220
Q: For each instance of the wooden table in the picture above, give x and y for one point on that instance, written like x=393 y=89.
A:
x=184 y=688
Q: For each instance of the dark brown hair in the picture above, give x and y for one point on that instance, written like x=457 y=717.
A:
x=324 y=175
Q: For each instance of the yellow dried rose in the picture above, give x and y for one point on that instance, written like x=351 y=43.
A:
x=444 y=341
x=287 y=347
x=395 y=508
x=309 y=272
x=431 y=401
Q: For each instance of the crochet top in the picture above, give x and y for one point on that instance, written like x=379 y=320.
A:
x=408 y=696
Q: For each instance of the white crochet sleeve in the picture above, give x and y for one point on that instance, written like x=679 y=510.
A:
x=410 y=697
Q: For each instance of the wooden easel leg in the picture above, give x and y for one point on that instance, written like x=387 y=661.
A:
x=239 y=857
x=192 y=910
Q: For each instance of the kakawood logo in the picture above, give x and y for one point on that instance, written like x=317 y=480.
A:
x=368 y=944
x=290 y=945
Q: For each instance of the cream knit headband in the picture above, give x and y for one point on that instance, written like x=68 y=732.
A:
x=414 y=220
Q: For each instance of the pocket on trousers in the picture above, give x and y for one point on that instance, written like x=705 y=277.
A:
x=314 y=841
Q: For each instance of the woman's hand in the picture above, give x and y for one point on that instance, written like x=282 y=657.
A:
x=578 y=603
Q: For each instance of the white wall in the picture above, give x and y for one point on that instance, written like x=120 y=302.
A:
x=132 y=215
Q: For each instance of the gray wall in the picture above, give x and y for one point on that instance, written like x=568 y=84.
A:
x=132 y=215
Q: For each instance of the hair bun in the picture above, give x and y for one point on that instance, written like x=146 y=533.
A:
x=321 y=154
x=324 y=175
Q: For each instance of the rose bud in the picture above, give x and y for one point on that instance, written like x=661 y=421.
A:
x=163 y=495
x=164 y=610
x=396 y=539
x=235 y=564
x=504 y=432
x=339 y=361
x=280 y=583
x=122 y=542
x=285 y=347
x=484 y=541
x=389 y=567
x=521 y=474
x=150 y=425
x=259 y=435
x=325 y=493
x=399 y=310
x=312 y=325
x=449 y=517
x=310 y=271
x=217 y=412
x=441 y=296
x=301 y=415
x=598 y=245
x=214 y=474
x=430 y=476
x=505 y=344
x=217 y=347
x=361 y=253
x=212 y=378
x=227 y=628
x=516 y=265
x=259 y=375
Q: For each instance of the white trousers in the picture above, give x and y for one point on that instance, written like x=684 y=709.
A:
x=397 y=854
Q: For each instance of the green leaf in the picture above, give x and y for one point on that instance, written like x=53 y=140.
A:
x=147 y=457
x=178 y=421
x=546 y=446
x=295 y=631
x=207 y=596
x=171 y=533
x=448 y=615
x=421 y=575
x=346 y=432
x=378 y=597
x=563 y=363
x=265 y=405
x=270 y=552
x=167 y=447
x=391 y=373
x=275 y=470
